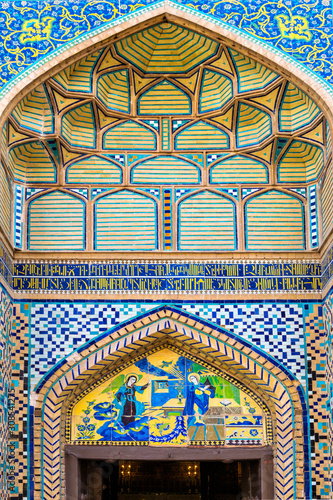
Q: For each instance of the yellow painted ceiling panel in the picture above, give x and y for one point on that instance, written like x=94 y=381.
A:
x=164 y=99
x=166 y=48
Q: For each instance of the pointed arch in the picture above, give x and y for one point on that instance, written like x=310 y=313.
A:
x=129 y=135
x=95 y=170
x=221 y=348
x=274 y=220
x=207 y=221
x=201 y=135
x=56 y=220
x=125 y=220
x=238 y=168
x=78 y=126
x=164 y=98
x=165 y=169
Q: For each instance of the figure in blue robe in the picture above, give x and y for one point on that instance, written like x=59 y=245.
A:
x=130 y=409
x=197 y=398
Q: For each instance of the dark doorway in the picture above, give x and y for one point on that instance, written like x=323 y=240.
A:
x=169 y=480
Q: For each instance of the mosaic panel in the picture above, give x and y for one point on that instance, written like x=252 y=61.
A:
x=7 y=402
x=328 y=315
x=166 y=399
x=317 y=394
x=288 y=29
x=188 y=335
x=276 y=329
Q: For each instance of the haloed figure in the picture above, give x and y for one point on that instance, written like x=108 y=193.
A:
x=197 y=398
x=129 y=407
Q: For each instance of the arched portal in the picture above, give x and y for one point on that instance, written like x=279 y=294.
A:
x=166 y=140
x=211 y=349
x=138 y=158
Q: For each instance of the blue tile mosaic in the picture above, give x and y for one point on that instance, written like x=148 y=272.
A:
x=275 y=328
x=313 y=208
x=35 y=31
x=247 y=191
x=19 y=195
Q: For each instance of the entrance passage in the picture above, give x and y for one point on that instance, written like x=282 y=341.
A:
x=167 y=480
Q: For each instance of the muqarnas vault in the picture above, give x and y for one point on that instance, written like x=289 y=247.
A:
x=165 y=260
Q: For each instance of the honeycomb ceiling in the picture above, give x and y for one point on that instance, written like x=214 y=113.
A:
x=167 y=90
x=166 y=48
x=166 y=107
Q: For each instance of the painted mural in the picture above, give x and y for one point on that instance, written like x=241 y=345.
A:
x=168 y=399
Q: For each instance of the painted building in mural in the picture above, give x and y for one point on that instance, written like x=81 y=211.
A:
x=166 y=250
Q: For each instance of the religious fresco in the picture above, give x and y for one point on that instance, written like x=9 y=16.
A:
x=168 y=399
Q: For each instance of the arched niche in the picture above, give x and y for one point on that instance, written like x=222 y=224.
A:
x=244 y=120
x=214 y=348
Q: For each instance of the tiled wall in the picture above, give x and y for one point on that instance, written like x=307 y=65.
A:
x=7 y=400
x=291 y=332
x=288 y=30
x=328 y=316
x=43 y=333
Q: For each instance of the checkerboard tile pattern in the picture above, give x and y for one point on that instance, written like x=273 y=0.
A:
x=278 y=329
x=58 y=329
x=82 y=192
x=317 y=393
x=180 y=192
x=232 y=191
x=301 y=191
x=247 y=191
x=328 y=317
x=95 y=192
x=275 y=328
x=20 y=384
x=5 y=379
